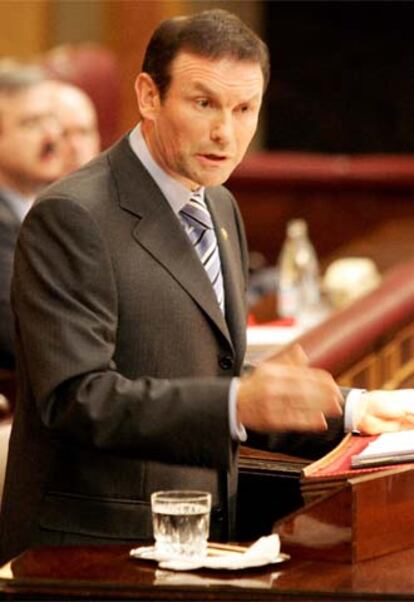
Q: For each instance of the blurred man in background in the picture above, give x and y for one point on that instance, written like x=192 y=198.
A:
x=29 y=159
x=77 y=117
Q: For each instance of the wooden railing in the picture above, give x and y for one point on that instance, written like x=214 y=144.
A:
x=370 y=343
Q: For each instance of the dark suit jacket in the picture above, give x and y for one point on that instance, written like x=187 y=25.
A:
x=124 y=360
x=9 y=228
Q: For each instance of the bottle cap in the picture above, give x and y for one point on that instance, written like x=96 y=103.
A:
x=297 y=227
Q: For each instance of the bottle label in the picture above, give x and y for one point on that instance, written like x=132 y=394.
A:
x=310 y=290
x=288 y=302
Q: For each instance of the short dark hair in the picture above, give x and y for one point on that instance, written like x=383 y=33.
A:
x=212 y=34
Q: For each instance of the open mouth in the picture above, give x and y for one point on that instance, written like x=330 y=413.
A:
x=212 y=158
x=48 y=151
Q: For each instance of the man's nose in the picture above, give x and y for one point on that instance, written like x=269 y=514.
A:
x=222 y=130
x=52 y=127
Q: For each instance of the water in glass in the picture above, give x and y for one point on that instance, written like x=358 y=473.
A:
x=181 y=522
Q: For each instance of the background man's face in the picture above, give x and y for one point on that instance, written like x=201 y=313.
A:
x=202 y=128
x=29 y=134
x=77 y=118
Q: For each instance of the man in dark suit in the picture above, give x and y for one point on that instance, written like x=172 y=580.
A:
x=129 y=343
x=28 y=161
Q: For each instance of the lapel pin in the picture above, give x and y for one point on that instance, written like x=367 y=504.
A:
x=224 y=233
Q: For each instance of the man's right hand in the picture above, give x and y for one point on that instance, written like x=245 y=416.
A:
x=284 y=394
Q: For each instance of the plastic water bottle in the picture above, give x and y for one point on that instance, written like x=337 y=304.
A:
x=298 y=273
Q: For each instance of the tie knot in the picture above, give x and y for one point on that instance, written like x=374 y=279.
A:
x=196 y=213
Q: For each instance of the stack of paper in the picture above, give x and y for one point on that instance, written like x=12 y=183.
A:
x=389 y=448
x=334 y=469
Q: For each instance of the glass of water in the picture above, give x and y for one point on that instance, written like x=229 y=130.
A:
x=181 y=523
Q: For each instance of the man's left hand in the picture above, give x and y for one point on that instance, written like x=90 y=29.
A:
x=385 y=411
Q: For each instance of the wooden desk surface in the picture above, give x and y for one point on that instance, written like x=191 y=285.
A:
x=108 y=573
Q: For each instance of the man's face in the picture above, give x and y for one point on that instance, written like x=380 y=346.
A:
x=77 y=117
x=201 y=130
x=29 y=134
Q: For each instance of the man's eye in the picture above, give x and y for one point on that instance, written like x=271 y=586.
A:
x=31 y=122
x=203 y=103
x=37 y=121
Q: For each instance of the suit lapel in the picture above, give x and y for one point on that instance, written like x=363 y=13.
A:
x=160 y=232
x=7 y=214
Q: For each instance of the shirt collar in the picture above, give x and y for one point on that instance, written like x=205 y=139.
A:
x=176 y=193
x=18 y=203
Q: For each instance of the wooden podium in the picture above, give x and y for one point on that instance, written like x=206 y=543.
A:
x=370 y=515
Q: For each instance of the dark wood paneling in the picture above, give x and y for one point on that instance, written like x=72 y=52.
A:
x=341 y=198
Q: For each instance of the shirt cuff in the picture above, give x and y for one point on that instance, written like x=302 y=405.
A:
x=237 y=430
x=351 y=402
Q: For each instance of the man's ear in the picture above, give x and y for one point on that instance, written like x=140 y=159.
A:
x=148 y=97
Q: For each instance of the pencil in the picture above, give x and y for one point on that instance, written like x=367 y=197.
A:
x=226 y=547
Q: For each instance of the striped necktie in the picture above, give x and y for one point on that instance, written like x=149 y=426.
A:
x=199 y=227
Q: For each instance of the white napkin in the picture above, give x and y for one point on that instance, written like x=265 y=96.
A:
x=265 y=550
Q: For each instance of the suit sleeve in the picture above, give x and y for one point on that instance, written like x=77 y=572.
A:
x=7 y=245
x=65 y=299
x=311 y=446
